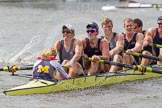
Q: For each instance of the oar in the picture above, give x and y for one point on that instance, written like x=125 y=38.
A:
x=155 y=45
x=24 y=75
x=146 y=56
x=135 y=67
x=14 y=68
x=158 y=45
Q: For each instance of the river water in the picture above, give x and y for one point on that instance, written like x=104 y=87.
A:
x=26 y=28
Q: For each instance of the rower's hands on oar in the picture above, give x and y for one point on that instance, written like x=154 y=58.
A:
x=129 y=52
x=96 y=58
x=111 y=53
x=69 y=64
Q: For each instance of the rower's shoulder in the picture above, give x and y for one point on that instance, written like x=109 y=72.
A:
x=151 y=32
x=152 y=29
x=83 y=39
x=103 y=41
x=120 y=35
x=57 y=44
x=140 y=36
x=78 y=41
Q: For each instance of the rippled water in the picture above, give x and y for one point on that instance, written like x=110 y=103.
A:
x=27 y=28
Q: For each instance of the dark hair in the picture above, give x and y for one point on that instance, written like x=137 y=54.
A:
x=138 y=22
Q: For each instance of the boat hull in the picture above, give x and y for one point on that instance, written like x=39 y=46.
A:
x=43 y=86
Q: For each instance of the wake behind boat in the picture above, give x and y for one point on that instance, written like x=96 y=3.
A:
x=39 y=86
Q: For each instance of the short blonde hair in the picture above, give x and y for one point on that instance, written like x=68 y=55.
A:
x=48 y=52
x=128 y=20
x=106 y=21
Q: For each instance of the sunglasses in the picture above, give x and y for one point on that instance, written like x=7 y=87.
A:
x=91 y=31
x=66 y=31
x=159 y=23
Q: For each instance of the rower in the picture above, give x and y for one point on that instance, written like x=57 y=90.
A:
x=153 y=36
x=138 y=26
x=132 y=42
x=95 y=48
x=47 y=68
x=70 y=51
x=115 y=42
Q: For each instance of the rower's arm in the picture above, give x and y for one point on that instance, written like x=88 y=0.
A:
x=160 y=55
x=78 y=51
x=59 y=68
x=139 y=43
x=148 y=38
x=119 y=45
x=57 y=47
x=104 y=49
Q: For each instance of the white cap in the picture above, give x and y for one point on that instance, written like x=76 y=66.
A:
x=68 y=26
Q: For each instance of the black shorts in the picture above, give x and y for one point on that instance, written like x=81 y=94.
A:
x=148 y=48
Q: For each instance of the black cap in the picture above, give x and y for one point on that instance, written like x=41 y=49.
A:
x=159 y=18
x=93 y=25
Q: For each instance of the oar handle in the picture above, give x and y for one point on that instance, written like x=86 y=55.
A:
x=158 y=46
x=136 y=54
x=155 y=45
x=113 y=63
x=146 y=56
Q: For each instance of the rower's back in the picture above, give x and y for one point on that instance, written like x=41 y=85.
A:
x=46 y=67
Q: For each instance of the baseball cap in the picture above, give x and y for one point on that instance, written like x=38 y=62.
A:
x=93 y=25
x=68 y=26
x=159 y=18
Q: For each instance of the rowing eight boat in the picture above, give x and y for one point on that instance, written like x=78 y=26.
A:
x=38 y=86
